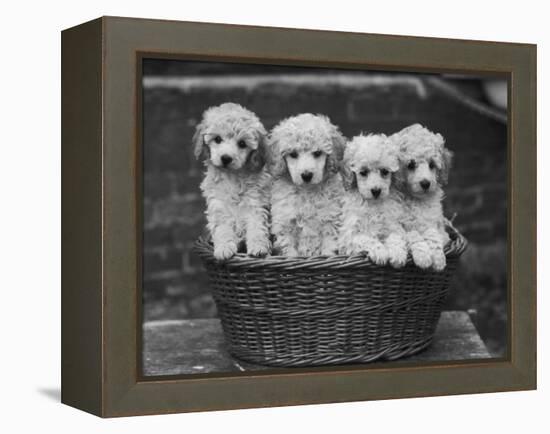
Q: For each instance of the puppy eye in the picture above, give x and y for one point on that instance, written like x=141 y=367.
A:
x=218 y=139
x=241 y=144
x=411 y=165
x=364 y=172
x=317 y=154
x=432 y=165
x=384 y=172
x=293 y=154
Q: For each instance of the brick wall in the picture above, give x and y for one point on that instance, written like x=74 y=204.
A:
x=175 y=284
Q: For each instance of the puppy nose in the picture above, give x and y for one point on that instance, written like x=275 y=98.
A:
x=226 y=159
x=307 y=176
x=375 y=192
x=425 y=184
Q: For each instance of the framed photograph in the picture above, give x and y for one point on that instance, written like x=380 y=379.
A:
x=260 y=217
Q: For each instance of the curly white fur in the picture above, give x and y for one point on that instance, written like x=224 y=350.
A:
x=373 y=208
x=425 y=164
x=304 y=152
x=231 y=140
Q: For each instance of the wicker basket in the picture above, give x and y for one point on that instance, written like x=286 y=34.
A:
x=284 y=311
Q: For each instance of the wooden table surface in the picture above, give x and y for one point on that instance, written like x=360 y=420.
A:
x=197 y=346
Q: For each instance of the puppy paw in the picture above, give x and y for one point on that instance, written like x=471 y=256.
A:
x=258 y=249
x=289 y=251
x=398 y=258
x=421 y=256
x=439 y=262
x=378 y=254
x=225 y=251
x=329 y=251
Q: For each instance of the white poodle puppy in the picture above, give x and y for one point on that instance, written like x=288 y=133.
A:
x=304 y=152
x=425 y=164
x=231 y=139
x=373 y=208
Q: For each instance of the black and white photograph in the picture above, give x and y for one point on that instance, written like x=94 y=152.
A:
x=303 y=216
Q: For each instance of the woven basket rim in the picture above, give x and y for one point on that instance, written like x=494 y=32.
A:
x=204 y=248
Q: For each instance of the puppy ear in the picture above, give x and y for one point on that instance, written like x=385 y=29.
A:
x=275 y=159
x=201 y=148
x=331 y=165
x=398 y=180
x=446 y=159
x=334 y=159
x=256 y=159
x=338 y=144
x=393 y=153
x=278 y=168
x=348 y=177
